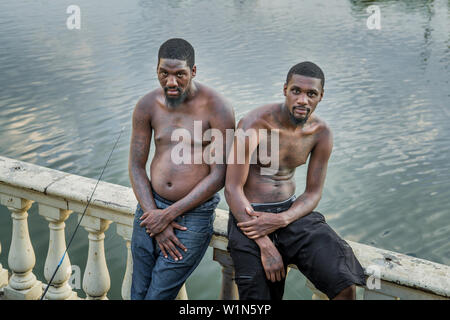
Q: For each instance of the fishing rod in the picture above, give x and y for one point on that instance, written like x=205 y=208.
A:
x=79 y=222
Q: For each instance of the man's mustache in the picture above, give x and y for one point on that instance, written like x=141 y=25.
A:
x=308 y=110
x=172 y=88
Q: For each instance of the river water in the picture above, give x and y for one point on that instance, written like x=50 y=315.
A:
x=65 y=94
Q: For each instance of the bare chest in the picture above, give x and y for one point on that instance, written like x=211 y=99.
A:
x=291 y=151
x=174 y=128
x=294 y=152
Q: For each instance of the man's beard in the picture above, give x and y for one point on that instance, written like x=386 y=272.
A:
x=174 y=102
x=302 y=121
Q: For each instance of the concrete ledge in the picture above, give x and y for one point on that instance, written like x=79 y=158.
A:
x=117 y=203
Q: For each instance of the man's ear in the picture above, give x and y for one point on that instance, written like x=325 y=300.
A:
x=321 y=95
x=157 y=66
x=194 y=70
x=285 y=89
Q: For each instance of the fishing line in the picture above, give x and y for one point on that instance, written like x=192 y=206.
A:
x=79 y=222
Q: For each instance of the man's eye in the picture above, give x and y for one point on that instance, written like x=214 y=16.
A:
x=311 y=94
x=296 y=91
x=179 y=75
x=164 y=73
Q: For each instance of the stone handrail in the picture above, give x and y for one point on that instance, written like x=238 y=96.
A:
x=391 y=275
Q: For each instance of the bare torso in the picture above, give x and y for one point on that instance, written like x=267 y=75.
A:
x=170 y=180
x=295 y=147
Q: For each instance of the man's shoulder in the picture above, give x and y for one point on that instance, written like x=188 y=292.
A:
x=323 y=129
x=260 y=117
x=214 y=99
x=217 y=105
x=150 y=98
x=147 y=102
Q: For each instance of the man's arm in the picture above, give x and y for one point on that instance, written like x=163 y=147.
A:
x=236 y=177
x=315 y=179
x=237 y=172
x=139 y=149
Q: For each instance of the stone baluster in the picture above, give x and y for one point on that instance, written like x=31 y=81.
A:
x=96 y=280
x=125 y=232
x=60 y=288
x=3 y=273
x=229 y=289
x=21 y=259
x=126 y=283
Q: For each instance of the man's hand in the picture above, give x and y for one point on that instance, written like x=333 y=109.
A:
x=167 y=241
x=263 y=224
x=155 y=221
x=271 y=261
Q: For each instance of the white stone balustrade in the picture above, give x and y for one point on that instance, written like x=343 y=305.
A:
x=96 y=281
x=60 y=288
x=21 y=259
x=391 y=275
x=125 y=232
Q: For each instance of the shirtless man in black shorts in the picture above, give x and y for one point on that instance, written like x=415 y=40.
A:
x=268 y=227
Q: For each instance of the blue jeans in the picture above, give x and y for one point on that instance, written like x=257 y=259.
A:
x=156 y=277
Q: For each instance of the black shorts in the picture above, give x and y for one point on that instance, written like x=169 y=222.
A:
x=309 y=243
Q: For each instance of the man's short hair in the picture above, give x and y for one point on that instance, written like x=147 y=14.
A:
x=178 y=49
x=307 y=69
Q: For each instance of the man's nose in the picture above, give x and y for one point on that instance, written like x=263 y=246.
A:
x=302 y=99
x=172 y=81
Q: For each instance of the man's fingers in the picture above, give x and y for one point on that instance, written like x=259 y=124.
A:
x=252 y=234
x=281 y=273
x=273 y=276
x=144 y=216
x=250 y=211
x=172 y=254
x=278 y=275
x=246 y=224
x=178 y=243
x=178 y=226
x=248 y=229
x=163 y=250
x=167 y=247
x=173 y=250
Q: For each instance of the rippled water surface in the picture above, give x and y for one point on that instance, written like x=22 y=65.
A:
x=65 y=94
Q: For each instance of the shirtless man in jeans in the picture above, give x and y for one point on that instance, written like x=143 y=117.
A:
x=269 y=228
x=174 y=218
